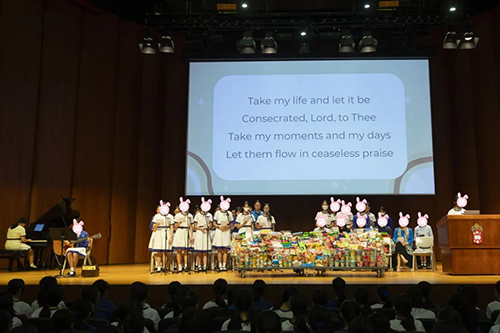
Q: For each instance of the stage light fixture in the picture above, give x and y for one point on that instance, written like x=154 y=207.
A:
x=469 y=42
x=303 y=33
x=367 y=6
x=304 y=49
x=452 y=5
x=147 y=46
x=368 y=43
x=247 y=45
x=450 y=41
x=244 y=5
x=166 y=44
x=269 y=45
x=346 y=44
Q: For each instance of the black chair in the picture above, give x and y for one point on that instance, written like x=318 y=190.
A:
x=485 y=325
x=390 y=313
x=166 y=323
x=494 y=315
x=216 y=324
x=214 y=312
x=44 y=325
x=150 y=325
x=164 y=311
x=97 y=322
x=428 y=324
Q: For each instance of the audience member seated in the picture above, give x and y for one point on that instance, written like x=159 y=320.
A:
x=320 y=320
x=426 y=289
x=45 y=283
x=471 y=298
x=320 y=298
x=298 y=305
x=220 y=291
x=384 y=295
x=404 y=320
x=495 y=305
x=7 y=307
x=139 y=292
x=418 y=311
x=52 y=300
x=15 y=288
x=258 y=303
x=63 y=320
x=348 y=311
x=339 y=286
x=194 y=321
x=268 y=322
x=362 y=297
x=283 y=310
x=380 y=323
x=185 y=299
x=240 y=319
x=467 y=316
x=91 y=294
x=83 y=309
x=451 y=316
x=361 y=325
x=103 y=304
x=172 y=294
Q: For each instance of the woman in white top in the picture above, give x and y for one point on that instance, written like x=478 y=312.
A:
x=245 y=222
x=456 y=210
x=266 y=221
x=324 y=215
x=16 y=239
x=404 y=320
x=222 y=238
x=202 y=242
x=162 y=235
x=418 y=311
x=54 y=296
x=183 y=237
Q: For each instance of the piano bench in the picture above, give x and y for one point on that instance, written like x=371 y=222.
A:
x=15 y=255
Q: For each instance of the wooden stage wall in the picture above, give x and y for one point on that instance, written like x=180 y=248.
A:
x=83 y=114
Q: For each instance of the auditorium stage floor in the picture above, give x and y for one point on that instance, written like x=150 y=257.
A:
x=126 y=274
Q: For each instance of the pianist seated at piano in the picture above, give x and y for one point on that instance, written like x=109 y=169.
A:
x=77 y=250
x=16 y=239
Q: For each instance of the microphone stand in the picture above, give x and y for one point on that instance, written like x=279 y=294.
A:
x=187 y=242
x=164 y=268
x=208 y=237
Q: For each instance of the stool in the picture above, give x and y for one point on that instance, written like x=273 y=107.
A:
x=16 y=255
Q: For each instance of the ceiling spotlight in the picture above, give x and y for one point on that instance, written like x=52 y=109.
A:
x=305 y=49
x=166 y=45
x=347 y=43
x=147 y=46
x=452 y=5
x=450 y=40
x=469 y=42
x=453 y=8
x=269 y=45
x=367 y=6
x=303 y=33
x=368 y=44
x=247 y=45
x=244 y=5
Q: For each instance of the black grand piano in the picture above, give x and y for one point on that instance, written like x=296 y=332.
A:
x=61 y=215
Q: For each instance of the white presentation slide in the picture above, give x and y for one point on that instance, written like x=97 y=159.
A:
x=309 y=127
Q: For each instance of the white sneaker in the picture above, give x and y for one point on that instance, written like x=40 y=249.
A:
x=158 y=269
x=33 y=266
x=180 y=269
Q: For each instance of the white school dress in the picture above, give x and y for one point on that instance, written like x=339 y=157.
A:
x=202 y=242
x=453 y=211
x=13 y=241
x=330 y=218
x=266 y=222
x=181 y=237
x=159 y=241
x=247 y=228
x=222 y=239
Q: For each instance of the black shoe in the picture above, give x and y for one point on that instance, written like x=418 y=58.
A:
x=72 y=274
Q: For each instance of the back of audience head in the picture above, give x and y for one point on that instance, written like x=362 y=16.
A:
x=220 y=291
x=91 y=294
x=349 y=310
x=258 y=289
x=380 y=322
x=384 y=295
x=63 y=320
x=15 y=287
x=289 y=292
x=339 y=286
x=133 y=323
x=298 y=305
x=320 y=298
x=24 y=328
x=139 y=292
x=124 y=309
x=469 y=293
x=243 y=302
x=450 y=315
x=188 y=299
x=416 y=297
x=362 y=297
x=194 y=321
x=360 y=325
x=45 y=283
x=320 y=319
x=403 y=306
x=54 y=296
x=102 y=286
x=268 y=322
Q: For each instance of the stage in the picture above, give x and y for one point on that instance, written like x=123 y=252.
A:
x=121 y=276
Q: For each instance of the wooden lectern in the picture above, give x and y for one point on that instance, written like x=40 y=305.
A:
x=470 y=244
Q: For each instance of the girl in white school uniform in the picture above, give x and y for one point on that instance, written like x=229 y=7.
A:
x=183 y=237
x=161 y=239
x=222 y=239
x=245 y=222
x=324 y=214
x=266 y=221
x=202 y=242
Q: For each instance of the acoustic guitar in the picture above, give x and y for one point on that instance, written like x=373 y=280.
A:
x=56 y=244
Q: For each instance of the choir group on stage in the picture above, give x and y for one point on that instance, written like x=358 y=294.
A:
x=204 y=233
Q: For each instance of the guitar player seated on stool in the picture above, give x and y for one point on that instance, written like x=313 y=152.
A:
x=79 y=249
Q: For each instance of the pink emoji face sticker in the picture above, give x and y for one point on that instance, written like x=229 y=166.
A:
x=334 y=205
x=205 y=205
x=422 y=220
x=360 y=205
x=341 y=220
x=184 y=205
x=404 y=220
x=383 y=220
x=77 y=227
x=164 y=208
x=321 y=220
x=346 y=208
x=462 y=200
x=224 y=204
x=361 y=220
